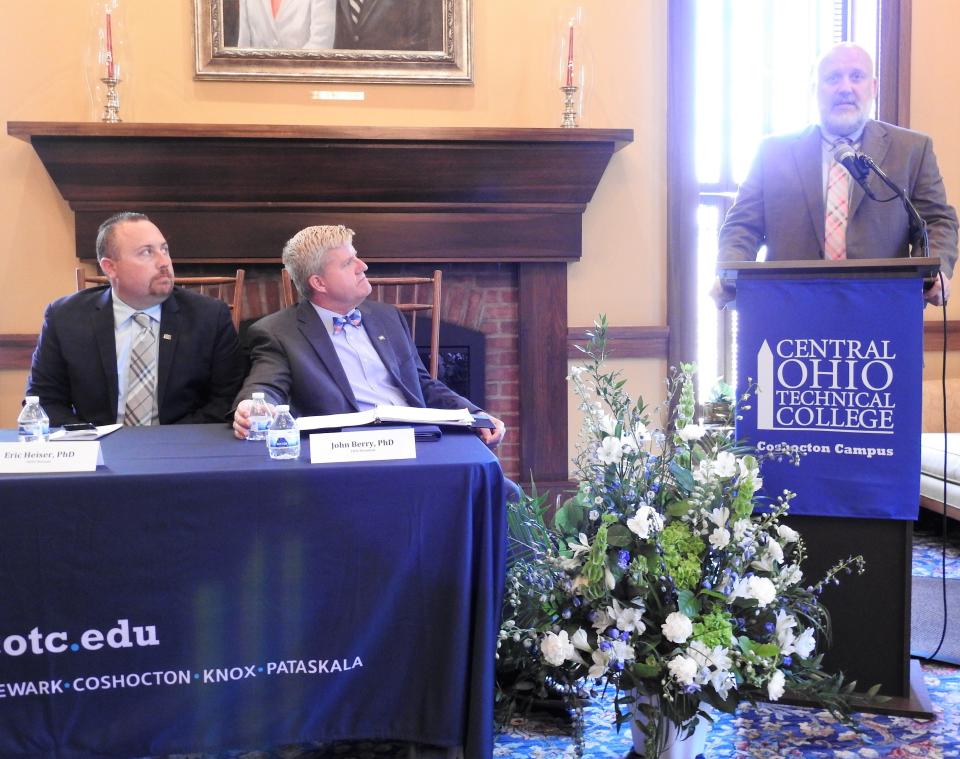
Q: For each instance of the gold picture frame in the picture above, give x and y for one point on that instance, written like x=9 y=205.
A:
x=404 y=41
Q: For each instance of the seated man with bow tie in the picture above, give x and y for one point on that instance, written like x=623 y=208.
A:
x=335 y=352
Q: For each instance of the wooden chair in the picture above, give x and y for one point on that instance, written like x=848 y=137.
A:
x=227 y=289
x=390 y=290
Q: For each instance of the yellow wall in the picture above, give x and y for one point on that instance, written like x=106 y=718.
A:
x=934 y=109
x=43 y=44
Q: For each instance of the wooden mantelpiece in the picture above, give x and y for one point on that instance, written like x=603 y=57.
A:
x=236 y=193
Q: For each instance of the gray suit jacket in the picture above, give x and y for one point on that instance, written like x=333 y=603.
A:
x=781 y=203
x=294 y=361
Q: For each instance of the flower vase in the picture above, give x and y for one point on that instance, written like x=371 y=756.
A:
x=677 y=745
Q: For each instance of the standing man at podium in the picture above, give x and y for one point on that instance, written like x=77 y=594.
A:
x=800 y=203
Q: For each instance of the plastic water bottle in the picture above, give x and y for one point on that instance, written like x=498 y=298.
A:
x=283 y=437
x=260 y=418
x=33 y=424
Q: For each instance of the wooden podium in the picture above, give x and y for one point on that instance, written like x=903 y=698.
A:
x=870 y=613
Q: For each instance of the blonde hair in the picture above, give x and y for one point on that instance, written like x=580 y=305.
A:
x=305 y=253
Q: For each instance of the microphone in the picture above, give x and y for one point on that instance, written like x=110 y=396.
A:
x=857 y=164
x=860 y=165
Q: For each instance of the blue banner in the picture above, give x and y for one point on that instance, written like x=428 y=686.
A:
x=838 y=364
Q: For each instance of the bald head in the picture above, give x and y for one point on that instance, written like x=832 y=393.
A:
x=846 y=88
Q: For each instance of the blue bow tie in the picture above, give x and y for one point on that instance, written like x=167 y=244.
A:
x=339 y=322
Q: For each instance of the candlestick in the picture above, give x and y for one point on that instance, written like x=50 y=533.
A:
x=570 y=57
x=110 y=71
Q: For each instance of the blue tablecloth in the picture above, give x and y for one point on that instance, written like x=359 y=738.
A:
x=194 y=595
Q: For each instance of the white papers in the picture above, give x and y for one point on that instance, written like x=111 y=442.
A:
x=93 y=434
x=362 y=445
x=37 y=458
x=460 y=417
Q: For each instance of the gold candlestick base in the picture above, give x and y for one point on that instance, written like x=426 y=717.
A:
x=569 y=106
x=111 y=108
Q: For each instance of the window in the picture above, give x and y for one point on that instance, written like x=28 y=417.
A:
x=746 y=65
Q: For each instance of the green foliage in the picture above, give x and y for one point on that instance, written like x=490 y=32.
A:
x=657 y=576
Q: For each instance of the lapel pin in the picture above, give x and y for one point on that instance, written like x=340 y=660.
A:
x=381 y=337
x=167 y=336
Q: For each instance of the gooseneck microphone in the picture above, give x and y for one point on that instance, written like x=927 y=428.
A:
x=860 y=165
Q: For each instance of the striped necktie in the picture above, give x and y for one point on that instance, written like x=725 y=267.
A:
x=355 y=7
x=837 y=207
x=141 y=376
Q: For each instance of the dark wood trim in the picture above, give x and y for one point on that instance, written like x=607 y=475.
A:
x=30 y=130
x=681 y=184
x=893 y=62
x=931 y=504
x=542 y=312
x=624 y=342
x=16 y=350
x=933 y=335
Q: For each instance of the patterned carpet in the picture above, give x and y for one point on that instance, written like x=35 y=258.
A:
x=765 y=732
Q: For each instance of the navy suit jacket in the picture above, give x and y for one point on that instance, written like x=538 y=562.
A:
x=781 y=202
x=294 y=362
x=200 y=363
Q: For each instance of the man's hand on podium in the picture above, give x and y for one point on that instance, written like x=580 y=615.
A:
x=935 y=295
x=722 y=292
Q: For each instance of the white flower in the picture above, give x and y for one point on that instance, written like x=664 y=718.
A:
x=725 y=466
x=594 y=515
x=623 y=651
x=581 y=545
x=600 y=661
x=775 y=686
x=579 y=640
x=683 y=668
x=645 y=521
x=608 y=424
x=720 y=538
x=771 y=557
x=787 y=534
x=692 y=432
x=722 y=681
x=677 y=627
x=603 y=619
x=760 y=588
x=630 y=441
x=791 y=575
x=556 y=648
x=576 y=371
x=785 y=636
x=627 y=618
x=609 y=579
x=748 y=472
x=719 y=516
x=805 y=643
x=610 y=450
x=742 y=529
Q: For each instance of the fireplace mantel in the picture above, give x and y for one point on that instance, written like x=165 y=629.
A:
x=235 y=193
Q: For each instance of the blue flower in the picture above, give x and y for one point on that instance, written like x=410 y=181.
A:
x=623 y=559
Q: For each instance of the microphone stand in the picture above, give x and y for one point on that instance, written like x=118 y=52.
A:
x=917 y=222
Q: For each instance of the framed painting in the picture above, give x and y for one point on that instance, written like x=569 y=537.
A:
x=387 y=41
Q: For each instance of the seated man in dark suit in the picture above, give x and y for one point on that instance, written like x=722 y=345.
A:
x=138 y=351
x=335 y=352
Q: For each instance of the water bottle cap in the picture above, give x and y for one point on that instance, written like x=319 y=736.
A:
x=283 y=408
x=32 y=399
x=257 y=396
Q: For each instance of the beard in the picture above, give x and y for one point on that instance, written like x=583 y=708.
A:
x=847 y=121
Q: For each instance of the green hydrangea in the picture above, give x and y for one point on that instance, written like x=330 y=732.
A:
x=681 y=554
x=714 y=629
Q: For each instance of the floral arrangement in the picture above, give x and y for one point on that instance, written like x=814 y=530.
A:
x=660 y=577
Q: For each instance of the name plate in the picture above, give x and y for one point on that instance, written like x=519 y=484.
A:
x=39 y=458
x=362 y=445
